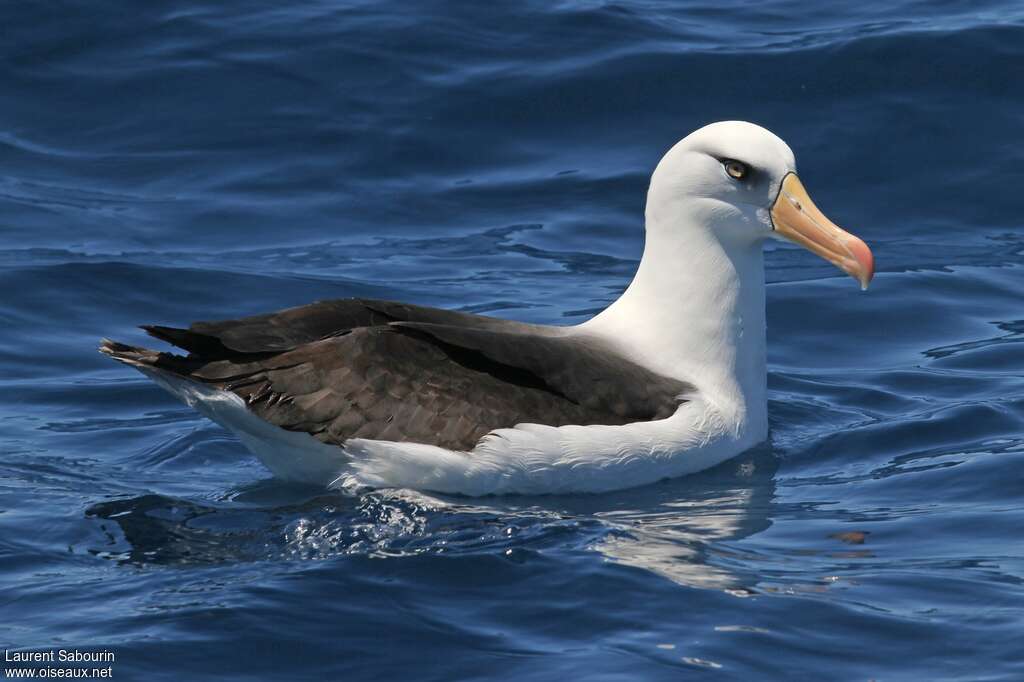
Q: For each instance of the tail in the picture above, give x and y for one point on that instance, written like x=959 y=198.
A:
x=129 y=355
x=171 y=372
x=290 y=455
x=144 y=358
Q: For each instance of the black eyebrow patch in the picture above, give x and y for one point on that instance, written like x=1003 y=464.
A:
x=753 y=172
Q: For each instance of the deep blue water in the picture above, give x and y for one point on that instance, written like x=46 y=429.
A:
x=168 y=162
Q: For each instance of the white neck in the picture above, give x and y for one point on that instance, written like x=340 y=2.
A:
x=695 y=311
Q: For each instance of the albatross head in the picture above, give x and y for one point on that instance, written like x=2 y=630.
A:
x=739 y=181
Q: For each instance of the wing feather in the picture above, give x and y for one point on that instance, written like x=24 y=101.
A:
x=379 y=370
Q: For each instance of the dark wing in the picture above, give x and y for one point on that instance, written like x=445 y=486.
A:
x=583 y=370
x=290 y=328
x=446 y=381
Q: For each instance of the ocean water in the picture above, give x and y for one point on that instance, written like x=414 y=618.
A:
x=170 y=162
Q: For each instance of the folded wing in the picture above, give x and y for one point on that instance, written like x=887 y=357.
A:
x=379 y=370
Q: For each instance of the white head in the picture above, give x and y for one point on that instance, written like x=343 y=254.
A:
x=739 y=180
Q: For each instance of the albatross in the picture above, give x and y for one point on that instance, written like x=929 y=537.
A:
x=668 y=380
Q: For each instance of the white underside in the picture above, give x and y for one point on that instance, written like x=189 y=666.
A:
x=526 y=459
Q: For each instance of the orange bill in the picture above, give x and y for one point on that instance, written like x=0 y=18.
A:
x=796 y=218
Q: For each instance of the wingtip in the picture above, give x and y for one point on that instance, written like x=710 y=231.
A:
x=158 y=331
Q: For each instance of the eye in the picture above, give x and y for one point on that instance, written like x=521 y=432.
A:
x=736 y=169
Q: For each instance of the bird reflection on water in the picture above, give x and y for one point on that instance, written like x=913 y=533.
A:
x=676 y=528
x=681 y=538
